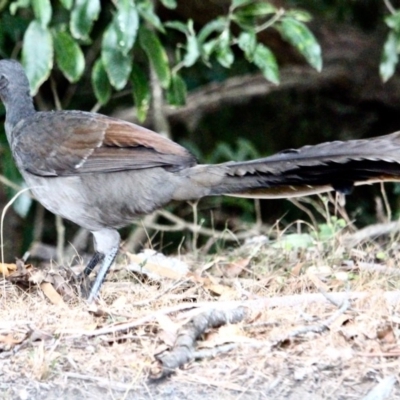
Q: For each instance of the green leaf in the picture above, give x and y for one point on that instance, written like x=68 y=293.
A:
x=240 y=3
x=216 y=25
x=192 y=51
x=300 y=15
x=225 y=56
x=101 y=84
x=208 y=48
x=141 y=92
x=176 y=93
x=247 y=42
x=192 y=45
x=67 y=3
x=157 y=55
x=244 y=22
x=69 y=56
x=146 y=11
x=171 y=4
x=389 y=57
x=256 y=10
x=179 y=26
x=42 y=10
x=83 y=15
x=117 y=64
x=223 y=50
x=14 y=6
x=126 y=20
x=266 y=61
x=298 y=35
x=393 y=21
x=294 y=241
x=37 y=54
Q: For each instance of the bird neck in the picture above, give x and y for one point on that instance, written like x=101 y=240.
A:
x=19 y=105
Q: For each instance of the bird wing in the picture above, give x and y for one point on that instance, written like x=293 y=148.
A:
x=65 y=143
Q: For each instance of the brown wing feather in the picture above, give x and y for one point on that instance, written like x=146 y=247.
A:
x=73 y=142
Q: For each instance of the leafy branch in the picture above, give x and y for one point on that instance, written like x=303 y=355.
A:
x=59 y=34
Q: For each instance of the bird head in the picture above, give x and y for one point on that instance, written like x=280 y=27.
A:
x=12 y=79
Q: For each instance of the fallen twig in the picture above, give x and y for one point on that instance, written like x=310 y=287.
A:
x=371 y=232
x=372 y=267
x=212 y=353
x=183 y=350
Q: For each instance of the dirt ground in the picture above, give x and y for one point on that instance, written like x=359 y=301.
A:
x=322 y=321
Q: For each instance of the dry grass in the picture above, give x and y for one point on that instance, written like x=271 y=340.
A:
x=56 y=352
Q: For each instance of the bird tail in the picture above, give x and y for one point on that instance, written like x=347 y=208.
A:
x=311 y=169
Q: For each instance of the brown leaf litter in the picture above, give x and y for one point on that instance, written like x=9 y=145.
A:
x=248 y=325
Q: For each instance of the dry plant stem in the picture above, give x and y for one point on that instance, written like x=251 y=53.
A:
x=180 y=224
x=386 y=202
x=257 y=212
x=340 y=208
x=389 y=6
x=5 y=181
x=60 y=228
x=139 y=235
x=78 y=243
x=183 y=349
x=196 y=223
x=39 y=223
x=3 y=214
x=303 y=208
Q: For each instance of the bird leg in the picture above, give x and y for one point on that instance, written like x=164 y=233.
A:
x=83 y=278
x=107 y=246
x=97 y=257
x=108 y=259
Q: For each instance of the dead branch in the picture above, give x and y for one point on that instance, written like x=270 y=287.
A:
x=377 y=268
x=240 y=89
x=371 y=232
x=179 y=224
x=212 y=353
x=183 y=349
